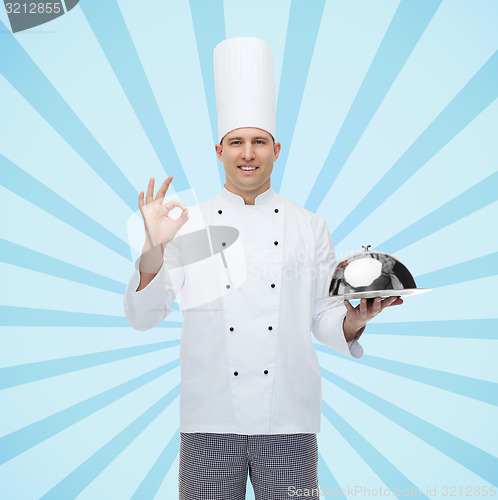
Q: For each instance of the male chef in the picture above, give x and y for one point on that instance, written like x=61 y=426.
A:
x=250 y=396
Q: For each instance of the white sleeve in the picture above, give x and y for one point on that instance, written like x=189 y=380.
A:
x=148 y=307
x=329 y=313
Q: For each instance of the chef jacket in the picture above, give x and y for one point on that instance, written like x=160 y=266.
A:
x=248 y=364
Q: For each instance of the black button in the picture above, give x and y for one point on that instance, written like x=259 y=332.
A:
x=228 y=286
x=220 y=211
x=266 y=372
x=235 y=373
x=275 y=242
x=276 y=210
x=231 y=328
x=223 y=244
x=270 y=328
x=273 y=285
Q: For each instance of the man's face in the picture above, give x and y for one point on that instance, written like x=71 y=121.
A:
x=248 y=155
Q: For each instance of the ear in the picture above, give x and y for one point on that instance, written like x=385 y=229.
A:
x=276 y=150
x=219 y=151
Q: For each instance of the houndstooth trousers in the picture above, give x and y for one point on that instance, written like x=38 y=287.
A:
x=281 y=466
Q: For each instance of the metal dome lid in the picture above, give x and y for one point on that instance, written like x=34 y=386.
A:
x=371 y=274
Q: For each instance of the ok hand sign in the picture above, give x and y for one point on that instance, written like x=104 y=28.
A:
x=160 y=229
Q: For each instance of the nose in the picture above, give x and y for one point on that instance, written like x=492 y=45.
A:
x=248 y=152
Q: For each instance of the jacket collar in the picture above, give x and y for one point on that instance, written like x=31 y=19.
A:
x=261 y=199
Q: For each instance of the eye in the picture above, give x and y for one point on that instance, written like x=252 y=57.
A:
x=234 y=142
x=261 y=142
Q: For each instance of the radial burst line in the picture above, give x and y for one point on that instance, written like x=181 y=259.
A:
x=471 y=457
x=12 y=376
x=326 y=476
x=387 y=472
x=208 y=19
x=480 y=390
x=109 y=27
x=76 y=481
x=404 y=32
x=26 y=77
x=486 y=329
x=302 y=31
x=150 y=485
x=24 y=185
x=20 y=256
x=33 y=434
x=473 y=99
x=471 y=200
x=26 y=316
x=478 y=268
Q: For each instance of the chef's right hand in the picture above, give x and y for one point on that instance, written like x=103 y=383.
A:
x=160 y=229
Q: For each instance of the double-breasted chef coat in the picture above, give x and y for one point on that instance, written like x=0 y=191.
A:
x=248 y=365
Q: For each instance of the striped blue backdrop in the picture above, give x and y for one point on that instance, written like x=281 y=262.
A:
x=388 y=120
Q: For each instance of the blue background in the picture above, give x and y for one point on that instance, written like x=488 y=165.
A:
x=388 y=120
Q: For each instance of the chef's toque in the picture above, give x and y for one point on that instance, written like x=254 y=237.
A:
x=244 y=85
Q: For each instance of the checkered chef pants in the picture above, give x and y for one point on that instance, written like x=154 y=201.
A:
x=214 y=466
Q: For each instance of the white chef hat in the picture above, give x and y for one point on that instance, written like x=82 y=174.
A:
x=244 y=85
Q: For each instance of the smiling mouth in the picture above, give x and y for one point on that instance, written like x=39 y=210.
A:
x=247 y=169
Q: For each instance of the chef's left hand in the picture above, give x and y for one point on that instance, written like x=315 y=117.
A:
x=357 y=317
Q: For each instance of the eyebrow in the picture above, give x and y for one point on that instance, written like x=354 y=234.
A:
x=240 y=138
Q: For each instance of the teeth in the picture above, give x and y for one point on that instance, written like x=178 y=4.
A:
x=248 y=168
